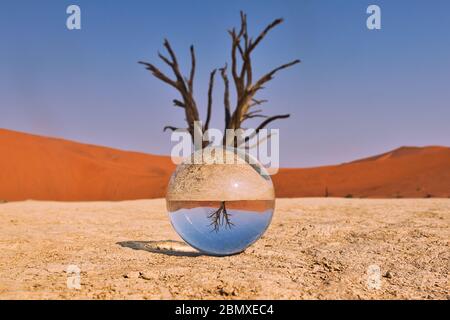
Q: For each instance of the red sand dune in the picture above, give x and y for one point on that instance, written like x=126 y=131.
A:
x=409 y=172
x=41 y=168
x=34 y=167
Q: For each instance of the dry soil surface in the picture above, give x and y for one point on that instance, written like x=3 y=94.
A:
x=314 y=249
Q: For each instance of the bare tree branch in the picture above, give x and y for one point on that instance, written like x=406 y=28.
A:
x=226 y=96
x=178 y=103
x=254 y=114
x=245 y=89
x=271 y=119
x=192 y=75
x=165 y=59
x=269 y=76
x=249 y=116
x=258 y=142
x=244 y=29
x=170 y=128
x=264 y=33
x=210 y=91
x=158 y=74
x=171 y=52
x=174 y=65
x=184 y=89
x=234 y=45
x=264 y=124
x=258 y=102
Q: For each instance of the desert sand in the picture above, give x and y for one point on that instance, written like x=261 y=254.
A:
x=43 y=168
x=314 y=249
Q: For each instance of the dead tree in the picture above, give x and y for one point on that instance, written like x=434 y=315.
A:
x=242 y=47
x=220 y=218
x=246 y=85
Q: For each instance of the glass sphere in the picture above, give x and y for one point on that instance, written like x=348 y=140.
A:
x=220 y=200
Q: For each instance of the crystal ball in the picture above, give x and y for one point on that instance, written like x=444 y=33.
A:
x=220 y=200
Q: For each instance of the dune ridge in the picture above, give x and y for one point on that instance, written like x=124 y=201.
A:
x=406 y=172
x=43 y=168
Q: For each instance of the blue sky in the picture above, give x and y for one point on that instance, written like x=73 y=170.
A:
x=357 y=92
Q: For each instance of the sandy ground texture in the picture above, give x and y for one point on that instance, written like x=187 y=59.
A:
x=314 y=249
